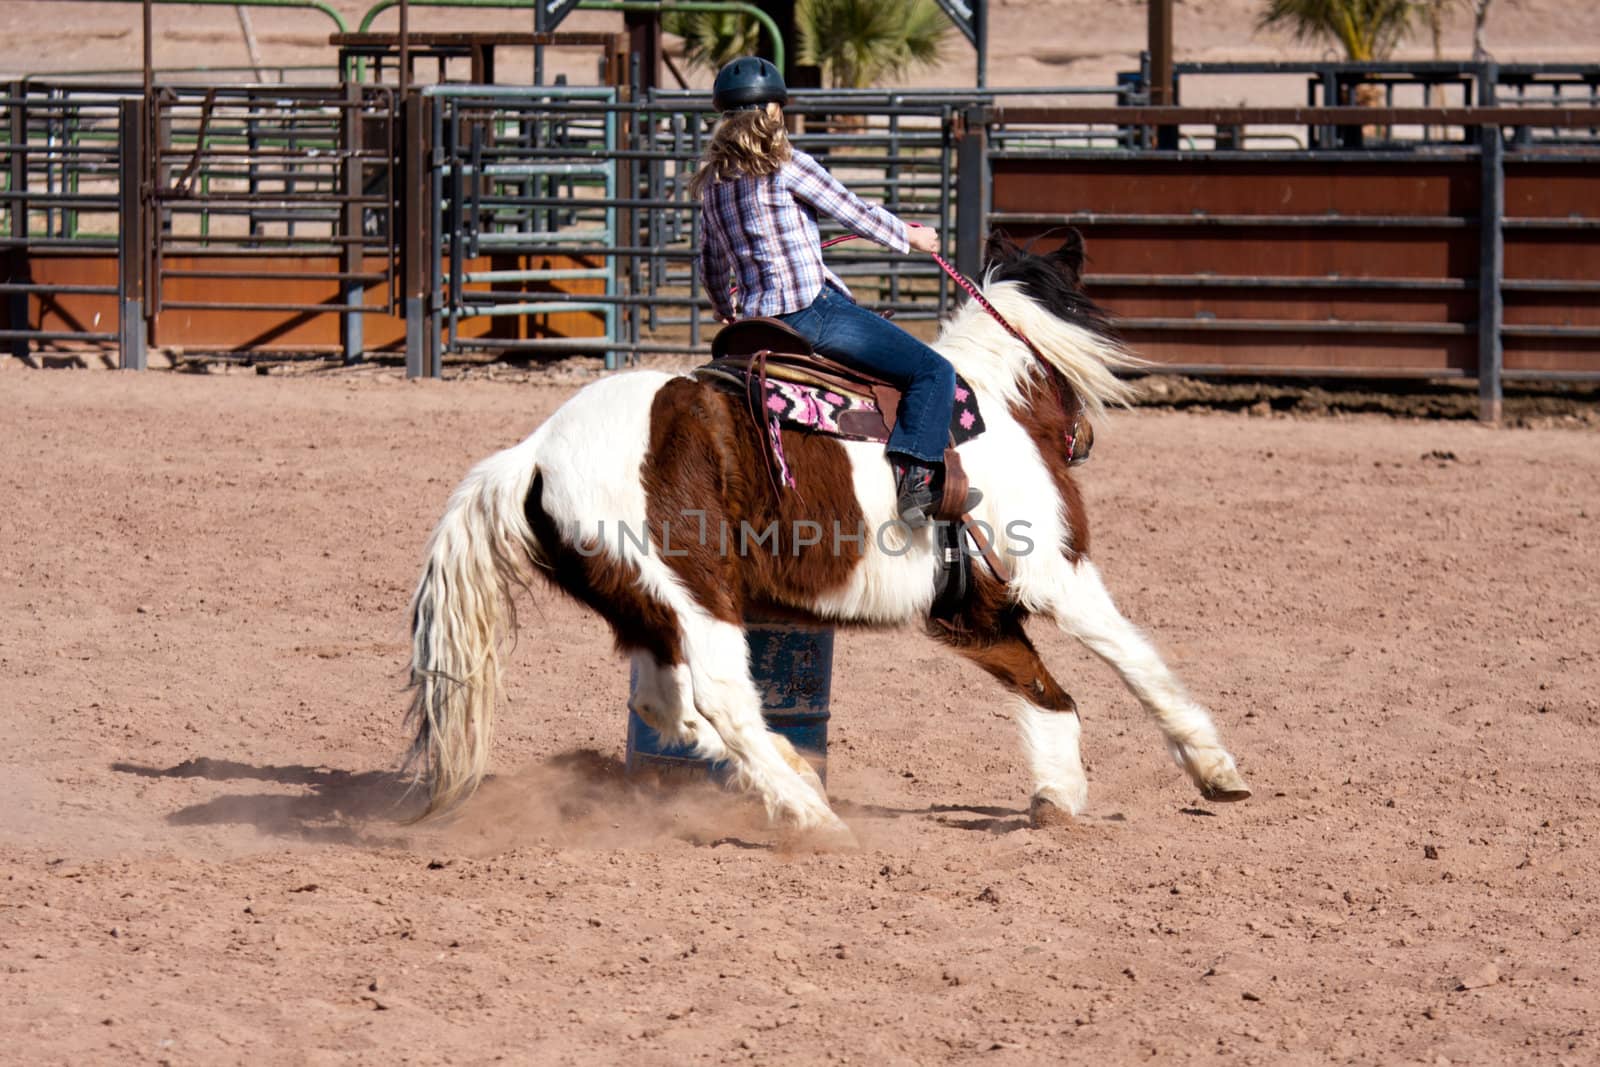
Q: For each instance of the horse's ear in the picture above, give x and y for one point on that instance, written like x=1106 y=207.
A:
x=1070 y=255
x=999 y=249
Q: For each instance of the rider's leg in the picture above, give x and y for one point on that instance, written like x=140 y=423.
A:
x=843 y=330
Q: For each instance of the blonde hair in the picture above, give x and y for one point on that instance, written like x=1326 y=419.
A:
x=745 y=144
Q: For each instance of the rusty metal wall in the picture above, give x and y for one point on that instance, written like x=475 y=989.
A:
x=1327 y=263
x=1307 y=265
x=294 y=303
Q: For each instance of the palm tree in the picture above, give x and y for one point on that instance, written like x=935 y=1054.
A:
x=711 y=39
x=1433 y=14
x=1365 y=29
x=1480 y=15
x=859 y=43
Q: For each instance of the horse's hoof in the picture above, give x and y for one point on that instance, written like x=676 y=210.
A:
x=1045 y=814
x=1225 y=788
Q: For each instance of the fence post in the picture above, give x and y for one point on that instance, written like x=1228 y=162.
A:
x=621 y=127
x=1491 y=270
x=132 y=259
x=972 y=188
x=414 y=269
x=434 y=307
x=353 y=258
x=19 y=269
x=1488 y=83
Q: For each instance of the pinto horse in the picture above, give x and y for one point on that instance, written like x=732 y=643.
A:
x=649 y=498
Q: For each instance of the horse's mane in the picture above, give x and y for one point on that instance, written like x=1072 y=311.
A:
x=1042 y=298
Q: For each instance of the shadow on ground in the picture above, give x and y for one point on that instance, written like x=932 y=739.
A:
x=581 y=798
x=335 y=806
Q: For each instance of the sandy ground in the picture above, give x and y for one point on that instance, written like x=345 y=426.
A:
x=204 y=579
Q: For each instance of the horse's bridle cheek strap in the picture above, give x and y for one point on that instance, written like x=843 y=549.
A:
x=1080 y=439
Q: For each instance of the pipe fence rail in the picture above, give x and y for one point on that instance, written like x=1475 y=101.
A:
x=1390 y=84
x=1431 y=220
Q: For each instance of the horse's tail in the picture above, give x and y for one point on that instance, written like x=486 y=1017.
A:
x=481 y=552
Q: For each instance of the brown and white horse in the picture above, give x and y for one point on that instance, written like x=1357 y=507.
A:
x=648 y=497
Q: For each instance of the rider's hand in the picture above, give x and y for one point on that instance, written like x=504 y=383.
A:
x=922 y=238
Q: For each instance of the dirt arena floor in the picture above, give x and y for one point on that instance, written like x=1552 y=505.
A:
x=204 y=580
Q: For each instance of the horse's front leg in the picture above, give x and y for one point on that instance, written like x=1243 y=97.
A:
x=1078 y=600
x=1046 y=715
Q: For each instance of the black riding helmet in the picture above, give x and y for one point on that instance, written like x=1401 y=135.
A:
x=748 y=84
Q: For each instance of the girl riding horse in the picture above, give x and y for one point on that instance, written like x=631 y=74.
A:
x=760 y=197
x=620 y=497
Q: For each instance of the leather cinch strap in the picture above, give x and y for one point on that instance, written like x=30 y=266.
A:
x=952 y=506
x=985 y=549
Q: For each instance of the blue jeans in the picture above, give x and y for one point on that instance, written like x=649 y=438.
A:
x=843 y=330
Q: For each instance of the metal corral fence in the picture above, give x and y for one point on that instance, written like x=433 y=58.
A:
x=465 y=222
x=1470 y=252
x=272 y=214
x=224 y=219
x=579 y=187
x=61 y=209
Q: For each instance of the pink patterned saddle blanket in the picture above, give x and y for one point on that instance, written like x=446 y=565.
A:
x=787 y=386
x=826 y=408
x=808 y=394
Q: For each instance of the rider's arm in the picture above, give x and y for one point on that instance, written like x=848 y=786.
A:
x=715 y=274
x=811 y=182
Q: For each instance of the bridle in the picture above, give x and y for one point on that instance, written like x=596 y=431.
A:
x=1073 y=409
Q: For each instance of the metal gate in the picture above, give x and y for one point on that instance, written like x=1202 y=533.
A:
x=561 y=218
x=271 y=217
x=526 y=218
x=59 y=227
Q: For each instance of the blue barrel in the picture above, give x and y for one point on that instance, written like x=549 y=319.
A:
x=792 y=666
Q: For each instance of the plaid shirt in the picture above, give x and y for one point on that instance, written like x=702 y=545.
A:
x=761 y=235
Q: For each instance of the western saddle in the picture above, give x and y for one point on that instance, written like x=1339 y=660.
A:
x=751 y=351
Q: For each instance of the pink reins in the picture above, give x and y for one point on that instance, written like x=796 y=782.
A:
x=971 y=289
x=967 y=285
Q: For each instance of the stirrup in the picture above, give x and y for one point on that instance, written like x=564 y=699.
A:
x=958 y=496
x=947 y=506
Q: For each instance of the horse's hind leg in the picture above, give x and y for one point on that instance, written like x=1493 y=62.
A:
x=663 y=695
x=801 y=765
x=726 y=697
x=1083 y=608
x=1046 y=716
